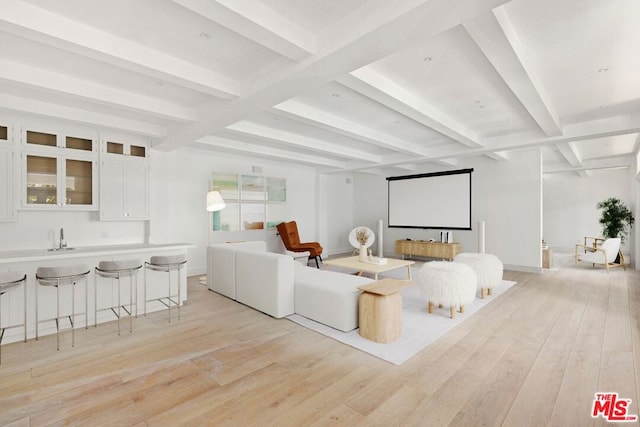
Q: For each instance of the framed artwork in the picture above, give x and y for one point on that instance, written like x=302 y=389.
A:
x=253 y=202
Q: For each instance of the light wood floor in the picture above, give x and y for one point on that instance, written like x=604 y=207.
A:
x=534 y=356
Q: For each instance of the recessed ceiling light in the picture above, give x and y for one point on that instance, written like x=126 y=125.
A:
x=427 y=59
x=335 y=95
x=603 y=70
x=205 y=36
x=603 y=107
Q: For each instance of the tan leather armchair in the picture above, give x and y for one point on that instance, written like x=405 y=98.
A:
x=289 y=234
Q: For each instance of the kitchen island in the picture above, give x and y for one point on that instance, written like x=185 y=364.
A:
x=28 y=261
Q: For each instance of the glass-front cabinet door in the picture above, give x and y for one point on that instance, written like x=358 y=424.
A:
x=59 y=167
x=42 y=180
x=58 y=182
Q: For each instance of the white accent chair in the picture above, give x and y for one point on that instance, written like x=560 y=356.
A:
x=604 y=253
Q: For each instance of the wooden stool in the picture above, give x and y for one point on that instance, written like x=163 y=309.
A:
x=380 y=310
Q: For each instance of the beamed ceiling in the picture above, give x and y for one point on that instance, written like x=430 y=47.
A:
x=340 y=85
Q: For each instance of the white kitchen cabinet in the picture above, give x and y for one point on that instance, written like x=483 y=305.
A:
x=59 y=168
x=54 y=179
x=124 y=188
x=7 y=184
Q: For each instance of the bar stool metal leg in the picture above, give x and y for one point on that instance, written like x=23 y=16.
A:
x=166 y=264
x=117 y=271
x=8 y=281
x=58 y=277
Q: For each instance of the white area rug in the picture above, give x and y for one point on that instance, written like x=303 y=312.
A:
x=419 y=328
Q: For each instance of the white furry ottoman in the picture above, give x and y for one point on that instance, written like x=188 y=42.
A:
x=488 y=269
x=447 y=284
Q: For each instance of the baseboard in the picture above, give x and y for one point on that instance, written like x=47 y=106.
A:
x=523 y=268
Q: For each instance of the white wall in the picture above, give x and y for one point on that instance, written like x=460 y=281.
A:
x=179 y=181
x=336 y=208
x=569 y=205
x=507 y=195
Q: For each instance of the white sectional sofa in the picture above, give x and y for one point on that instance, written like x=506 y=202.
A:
x=278 y=286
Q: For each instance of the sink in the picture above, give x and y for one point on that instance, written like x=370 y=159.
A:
x=59 y=249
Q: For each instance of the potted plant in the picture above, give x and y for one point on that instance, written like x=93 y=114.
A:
x=616 y=218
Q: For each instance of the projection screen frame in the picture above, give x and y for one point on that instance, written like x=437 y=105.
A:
x=427 y=175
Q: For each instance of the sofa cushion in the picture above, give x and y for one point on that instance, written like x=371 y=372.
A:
x=264 y=281
x=328 y=297
x=221 y=265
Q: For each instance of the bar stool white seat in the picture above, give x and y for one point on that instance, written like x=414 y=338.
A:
x=58 y=277
x=8 y=281
x=167 y=263
x=117 y=270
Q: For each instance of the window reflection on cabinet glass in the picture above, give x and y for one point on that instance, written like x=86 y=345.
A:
x=227 y=219
x=227 y=185
x=41 y=180
x=253 y=188
x=40 y=138
x=252 y=216
x=79 y=182
x=276 y=189
x=276 y=213
x=79 y=143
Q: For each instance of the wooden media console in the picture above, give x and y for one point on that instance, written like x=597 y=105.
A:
x=428 y=249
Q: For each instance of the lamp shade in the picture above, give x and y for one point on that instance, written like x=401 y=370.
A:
x=214 y=201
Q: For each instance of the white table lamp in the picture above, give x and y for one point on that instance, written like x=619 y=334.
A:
x=214 y=201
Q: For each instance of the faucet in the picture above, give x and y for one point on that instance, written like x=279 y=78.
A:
x=63 y=244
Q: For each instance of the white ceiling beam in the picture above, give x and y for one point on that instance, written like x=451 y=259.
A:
x=305 y=113
x=569 y=152
x=94 y=92
x=301 y=141
x=40 y=108
x=257 y=22
x=25 y=20
x=614 y=162
x=496 y=36
x=268 y=152
x=498 y=155
x=374 y=85
x=595 y=129
x=359 y=40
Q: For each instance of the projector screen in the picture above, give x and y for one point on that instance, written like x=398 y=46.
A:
x=431 y=200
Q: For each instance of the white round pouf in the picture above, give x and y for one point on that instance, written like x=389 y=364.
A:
x=488 y=269
x=446 y=283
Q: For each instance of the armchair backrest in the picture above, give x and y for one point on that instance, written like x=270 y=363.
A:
x=289 y=234
x=611 y=246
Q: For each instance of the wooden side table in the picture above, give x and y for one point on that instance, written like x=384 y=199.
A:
x=380 y=310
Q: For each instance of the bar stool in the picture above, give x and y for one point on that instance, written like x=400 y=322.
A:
x=62 y=276
x=117 y=270
x=8 y=281
x=166 y=264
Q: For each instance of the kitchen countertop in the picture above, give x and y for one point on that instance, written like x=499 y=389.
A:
x=87 y=251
